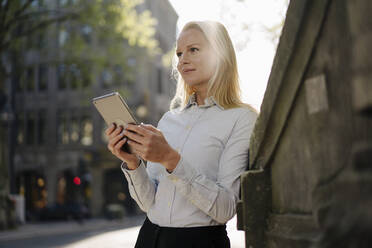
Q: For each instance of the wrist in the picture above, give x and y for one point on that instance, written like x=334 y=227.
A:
x=133 y=165
x=171 y=160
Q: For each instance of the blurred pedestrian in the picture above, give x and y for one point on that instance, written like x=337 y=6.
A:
x=196 y=155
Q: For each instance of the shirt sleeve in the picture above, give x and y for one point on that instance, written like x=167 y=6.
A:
x=218 y=198
x=142 y=182
x=141 y=187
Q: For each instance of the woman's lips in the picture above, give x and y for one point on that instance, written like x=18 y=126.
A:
x=188 y=70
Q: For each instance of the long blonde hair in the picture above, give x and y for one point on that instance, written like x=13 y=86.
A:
x=223 y=86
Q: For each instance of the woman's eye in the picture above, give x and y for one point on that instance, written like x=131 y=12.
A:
x=194 y=49
x=178 y=54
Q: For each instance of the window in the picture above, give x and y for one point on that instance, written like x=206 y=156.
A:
x=41 y=139
x=37 y=3
x=86 y=75
x=63 y=3
x=107 y=78
x=132 y=61
x=86 y=32
x=62 y=128
x=41 y=40
x=20 y=128
x=75 y=77
x=119 y=77
x=112 y=76
x=86 y=131
x=103 y=133
x=30 y=79
x=63 y=36
x=72 y=129
x=62 y=76
x=43 y=77
x=22 y=82
x=30 y=129
x=74 y=135
x=37 y=40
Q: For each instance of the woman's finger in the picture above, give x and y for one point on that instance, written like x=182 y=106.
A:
x=138 y=129
x=114 y=138
x=113 y=141
x=115 y=132
x=124 y=156
x=134 y=136
x=135 y=145
x=118 y=145
x=150 y=127
x=110 y=129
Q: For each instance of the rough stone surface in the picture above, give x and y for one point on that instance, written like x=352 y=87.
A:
x=318 y=161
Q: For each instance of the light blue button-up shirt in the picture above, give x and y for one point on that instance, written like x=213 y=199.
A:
x=204 y=187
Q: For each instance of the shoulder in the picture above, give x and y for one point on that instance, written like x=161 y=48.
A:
x=163 y=118
x=173 y=113
x=167 y=117
x=243 y=114
x=243 y=120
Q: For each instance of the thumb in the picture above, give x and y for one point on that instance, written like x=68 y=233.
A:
x=150 y=127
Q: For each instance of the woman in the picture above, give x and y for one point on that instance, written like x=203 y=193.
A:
x=190 y=186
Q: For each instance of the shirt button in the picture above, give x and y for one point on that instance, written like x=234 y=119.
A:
x=178 y=150
x=169 y=204
x=188 y=127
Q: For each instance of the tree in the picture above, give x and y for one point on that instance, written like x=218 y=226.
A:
x=107 y=35
x=96 y=33
x=18 y=19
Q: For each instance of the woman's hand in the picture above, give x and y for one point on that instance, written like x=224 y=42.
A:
x=115 y=142
x=149 y=143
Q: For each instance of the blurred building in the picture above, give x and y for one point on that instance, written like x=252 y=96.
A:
x=60 y=154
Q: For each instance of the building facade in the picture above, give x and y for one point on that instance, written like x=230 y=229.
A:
x=60 y=155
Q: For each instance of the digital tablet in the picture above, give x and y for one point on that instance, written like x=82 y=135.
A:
x=114 y=109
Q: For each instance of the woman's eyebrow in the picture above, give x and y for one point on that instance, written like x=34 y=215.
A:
x=193 y=44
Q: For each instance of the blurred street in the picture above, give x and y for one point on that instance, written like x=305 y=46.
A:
x=91 y=233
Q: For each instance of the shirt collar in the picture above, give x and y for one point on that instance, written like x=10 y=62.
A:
x=208 y=102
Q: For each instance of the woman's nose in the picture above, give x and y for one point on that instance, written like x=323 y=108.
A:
x=184 y=59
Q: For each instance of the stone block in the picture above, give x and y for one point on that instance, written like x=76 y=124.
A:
x=362 y=94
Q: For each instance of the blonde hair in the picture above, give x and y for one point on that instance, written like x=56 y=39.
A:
x=223 y=86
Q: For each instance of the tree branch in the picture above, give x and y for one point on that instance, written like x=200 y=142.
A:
x=31 y=30
x=4 y=12
x=5 y=26
x=23 y=8
x=35 y=14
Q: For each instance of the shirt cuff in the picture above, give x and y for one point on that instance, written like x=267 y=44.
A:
x=136 y=176
x=183 y=171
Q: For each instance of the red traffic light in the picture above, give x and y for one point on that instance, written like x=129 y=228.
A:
x=77 y=180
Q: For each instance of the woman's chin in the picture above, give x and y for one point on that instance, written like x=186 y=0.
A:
x=194 y=84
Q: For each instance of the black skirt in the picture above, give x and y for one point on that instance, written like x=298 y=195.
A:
x=154 y=236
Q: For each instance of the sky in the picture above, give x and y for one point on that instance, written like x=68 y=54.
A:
x=247 y=22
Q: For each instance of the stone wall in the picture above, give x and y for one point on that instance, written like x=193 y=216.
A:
x=310 y=180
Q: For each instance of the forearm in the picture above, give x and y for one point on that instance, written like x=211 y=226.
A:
x=171 y=160
x=209 y=196
x=141 y=188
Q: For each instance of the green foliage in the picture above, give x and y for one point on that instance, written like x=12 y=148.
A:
x=115 y=25
x=108 y=33
x=101 y=33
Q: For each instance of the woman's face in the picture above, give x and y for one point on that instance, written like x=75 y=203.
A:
x=196 y=60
